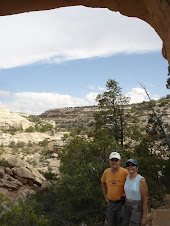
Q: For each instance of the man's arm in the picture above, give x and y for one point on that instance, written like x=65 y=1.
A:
x=104 y=189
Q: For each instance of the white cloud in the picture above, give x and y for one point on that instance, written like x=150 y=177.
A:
x=90 y=97
x=71 y=33
x=138 y=95
x=4 y=93
x=156 y=97
x=101 y=89
x=91 y=87
x=37 y=103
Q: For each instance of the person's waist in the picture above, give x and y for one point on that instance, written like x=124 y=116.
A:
x=130 y=200
x=115 y=201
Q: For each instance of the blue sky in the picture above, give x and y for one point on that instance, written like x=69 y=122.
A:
x=64 y=57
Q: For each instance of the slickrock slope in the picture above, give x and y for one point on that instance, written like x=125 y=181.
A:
x=19 y=177
x=9 y=120
x=12 y=120
x=35 y=137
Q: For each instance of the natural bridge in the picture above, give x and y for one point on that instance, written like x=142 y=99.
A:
x=154 y=12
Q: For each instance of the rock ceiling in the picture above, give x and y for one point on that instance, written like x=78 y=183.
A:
x=154 y=12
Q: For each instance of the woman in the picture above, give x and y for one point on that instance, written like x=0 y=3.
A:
x=134 y=212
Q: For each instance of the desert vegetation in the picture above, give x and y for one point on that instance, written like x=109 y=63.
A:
x=75 y=196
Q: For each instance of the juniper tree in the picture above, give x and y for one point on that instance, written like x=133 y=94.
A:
x=111 y=114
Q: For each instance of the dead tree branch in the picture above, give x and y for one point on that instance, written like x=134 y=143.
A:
x=159 y=122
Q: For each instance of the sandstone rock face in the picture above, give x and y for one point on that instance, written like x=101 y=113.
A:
x=19 y=177
x=13 y=120
x=154 y=12
x=36 y=137
x=160 y=217
x=24 y=169
x=9 y=182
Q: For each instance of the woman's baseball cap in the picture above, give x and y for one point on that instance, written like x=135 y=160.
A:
x=115 y=155
x=132 y=161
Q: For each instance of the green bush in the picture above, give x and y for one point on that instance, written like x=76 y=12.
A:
x=12 y=144
x=45 y=128
x=44 y=143
x=136 y=119
x=46 y=153
x=20 y=144
x=164 y=102
x=30 y=129
x=20 y=215
x=3 y=163
x=151 y=166
x=34 y=118
x=49 y=175
x=2 y=150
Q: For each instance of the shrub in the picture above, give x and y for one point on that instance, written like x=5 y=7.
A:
x=3 y=163
x=45 y=128
x=151 y=167
x=12 y=144
x=49 y=175
x=20 y=215
x=30 y=129
x=136 y=119
x=20 y=144
x=44 y=143
x=46 y=152
x=34 y=118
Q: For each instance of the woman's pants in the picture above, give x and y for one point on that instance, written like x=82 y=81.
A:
x=132 y=212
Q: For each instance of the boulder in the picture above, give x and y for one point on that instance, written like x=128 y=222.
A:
x=8 y=171
x=9 y=182
x=2 y=172
x=19 y=178
x=160 y=217
x=24 y=170
x=45 y=185
x=13 y=161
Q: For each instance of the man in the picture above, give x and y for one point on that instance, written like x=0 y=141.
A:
x=113 y=180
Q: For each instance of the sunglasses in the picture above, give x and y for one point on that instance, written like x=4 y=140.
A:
x=114 y=160
x=128 y=165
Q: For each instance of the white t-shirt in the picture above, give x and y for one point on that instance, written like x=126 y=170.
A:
x=132 y=188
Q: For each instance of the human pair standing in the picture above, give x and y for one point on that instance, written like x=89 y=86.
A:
x=118 y=182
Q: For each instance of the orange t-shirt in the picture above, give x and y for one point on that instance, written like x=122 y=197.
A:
x=115 y=183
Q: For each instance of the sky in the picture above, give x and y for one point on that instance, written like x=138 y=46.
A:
x=64 y=57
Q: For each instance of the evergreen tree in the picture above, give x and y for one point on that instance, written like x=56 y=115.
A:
x=168 y=80
x=111 y=114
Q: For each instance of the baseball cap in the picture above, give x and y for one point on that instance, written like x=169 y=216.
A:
x=132 y=161
x=115 y=155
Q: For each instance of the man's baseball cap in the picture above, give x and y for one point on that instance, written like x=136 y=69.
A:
x=115 y=155
x=133 y=161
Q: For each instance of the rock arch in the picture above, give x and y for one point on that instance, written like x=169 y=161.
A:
x=154 y=12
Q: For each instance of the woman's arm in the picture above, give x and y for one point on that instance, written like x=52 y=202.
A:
x=144 y=194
